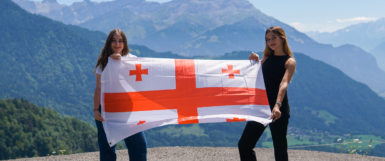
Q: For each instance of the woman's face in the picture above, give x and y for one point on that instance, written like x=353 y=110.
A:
x=117 y=43
x=273 y=41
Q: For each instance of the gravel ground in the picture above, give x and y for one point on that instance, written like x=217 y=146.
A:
x=212 y=154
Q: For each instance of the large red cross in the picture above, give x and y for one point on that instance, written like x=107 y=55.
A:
x=231 y=71
x=138 y=72
x=186 y=98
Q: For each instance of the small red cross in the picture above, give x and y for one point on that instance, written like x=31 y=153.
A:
x=138 y=72
x=231 y=71
x=235 y=120
x=141 y=122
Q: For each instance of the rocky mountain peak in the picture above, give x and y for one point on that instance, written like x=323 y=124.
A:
x=380 y=23
x=211 y=5
x=49 y=1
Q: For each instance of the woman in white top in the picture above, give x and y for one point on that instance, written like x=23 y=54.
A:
x=115 y=47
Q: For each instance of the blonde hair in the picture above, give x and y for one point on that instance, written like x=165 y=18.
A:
x=279 y=32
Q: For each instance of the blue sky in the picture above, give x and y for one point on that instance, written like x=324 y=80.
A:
x=309 y=15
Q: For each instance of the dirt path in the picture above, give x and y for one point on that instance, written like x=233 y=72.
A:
x=212 y=154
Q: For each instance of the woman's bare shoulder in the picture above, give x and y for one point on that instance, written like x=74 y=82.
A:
x=290 y=63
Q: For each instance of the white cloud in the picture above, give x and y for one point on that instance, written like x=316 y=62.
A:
x=295 y=24
x=357 y=19
x=322 y=27
x=299 y=26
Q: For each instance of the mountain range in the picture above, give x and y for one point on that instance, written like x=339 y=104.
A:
x=206 y=28
x=364 y=35
x=379 y=53
x=141 y=18
x=369 y=36
x=77 y=13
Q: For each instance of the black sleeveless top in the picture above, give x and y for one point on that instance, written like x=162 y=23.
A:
x=273 y=71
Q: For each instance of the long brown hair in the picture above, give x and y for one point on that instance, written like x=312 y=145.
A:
x=279 y=32
x=107 y=51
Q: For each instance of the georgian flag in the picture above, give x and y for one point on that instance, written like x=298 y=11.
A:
x=143 y=93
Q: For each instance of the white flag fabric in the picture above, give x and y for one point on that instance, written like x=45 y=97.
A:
x=142 y=93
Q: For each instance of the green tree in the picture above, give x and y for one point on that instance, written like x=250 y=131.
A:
x=27 y=130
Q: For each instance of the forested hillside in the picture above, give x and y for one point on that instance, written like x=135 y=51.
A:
x=45 y=62
x=27 y=130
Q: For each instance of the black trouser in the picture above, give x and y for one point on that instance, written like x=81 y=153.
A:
x=253 y=132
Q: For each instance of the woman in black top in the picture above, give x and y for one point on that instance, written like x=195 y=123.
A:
x=278 y=66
